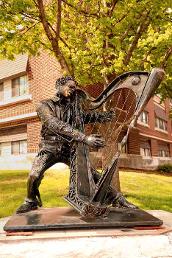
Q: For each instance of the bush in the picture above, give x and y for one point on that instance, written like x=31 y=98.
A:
x=165 y=168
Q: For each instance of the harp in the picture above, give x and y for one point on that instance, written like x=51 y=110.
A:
x=127 y=96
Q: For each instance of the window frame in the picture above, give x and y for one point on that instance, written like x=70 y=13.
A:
x=145 y=152
x=19 y=86
x=143 y=118
x=19 y=147
x=161 y=124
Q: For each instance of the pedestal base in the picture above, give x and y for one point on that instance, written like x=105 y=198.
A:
x=67 y=218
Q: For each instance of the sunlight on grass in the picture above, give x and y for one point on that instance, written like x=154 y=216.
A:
x=148 y=191
x=54 y=187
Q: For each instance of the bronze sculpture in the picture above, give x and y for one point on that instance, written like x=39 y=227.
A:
x=63 y=140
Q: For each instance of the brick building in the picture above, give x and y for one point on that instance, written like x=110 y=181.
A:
x=27 y=80
x=150 y=142
x=23 y=83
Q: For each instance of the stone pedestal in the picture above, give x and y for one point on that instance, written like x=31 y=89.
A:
x=137 y=242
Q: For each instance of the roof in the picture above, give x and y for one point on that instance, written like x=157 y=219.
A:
x=10 y=68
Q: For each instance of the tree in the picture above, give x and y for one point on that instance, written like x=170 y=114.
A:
x=93 y=40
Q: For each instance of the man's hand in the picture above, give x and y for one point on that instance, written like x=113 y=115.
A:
x=94 y=140
x=108 y=116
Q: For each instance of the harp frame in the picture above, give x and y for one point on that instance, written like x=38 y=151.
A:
x=85 y=195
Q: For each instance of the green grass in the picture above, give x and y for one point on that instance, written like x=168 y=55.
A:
x=148 y=191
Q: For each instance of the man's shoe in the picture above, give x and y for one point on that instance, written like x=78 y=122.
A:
x=121 y=202
x=27 y=206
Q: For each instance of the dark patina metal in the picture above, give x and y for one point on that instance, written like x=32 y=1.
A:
x=64 y=140
x=67 y=218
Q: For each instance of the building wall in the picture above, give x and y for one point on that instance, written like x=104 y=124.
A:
x=157 y=138
x=43 y=71
x=16 y=112
x=33 y=135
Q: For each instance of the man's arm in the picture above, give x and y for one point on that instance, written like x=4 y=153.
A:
x=57 y=126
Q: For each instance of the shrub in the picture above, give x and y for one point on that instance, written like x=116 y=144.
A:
x=165 y=168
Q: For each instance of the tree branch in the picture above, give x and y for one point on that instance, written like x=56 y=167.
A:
x=141 y=28
x=144 y=60
x=58 y=23
x=25 y=30
x=30 y=16
x=44 y=20
x=35 y=3
x=114 y=2
x=53 y=40
x=167 y=55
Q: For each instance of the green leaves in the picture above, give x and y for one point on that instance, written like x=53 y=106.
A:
x=97 y=38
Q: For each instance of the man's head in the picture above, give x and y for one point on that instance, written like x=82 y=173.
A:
x=66 y=86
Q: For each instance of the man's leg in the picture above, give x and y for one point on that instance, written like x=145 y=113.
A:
x=42 y=162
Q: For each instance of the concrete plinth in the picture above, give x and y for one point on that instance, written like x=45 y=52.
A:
x=98 y=243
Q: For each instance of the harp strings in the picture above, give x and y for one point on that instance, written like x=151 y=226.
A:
x=117 y=130
x=113 y=127
x=96 y=126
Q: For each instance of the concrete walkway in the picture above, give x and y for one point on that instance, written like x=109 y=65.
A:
x=102 y=243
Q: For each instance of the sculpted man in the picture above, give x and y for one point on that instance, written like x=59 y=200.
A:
x=57 y=136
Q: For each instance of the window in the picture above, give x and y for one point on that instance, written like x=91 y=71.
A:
x=145 y=148
x=123 y=149
x=1 y=92
x=5 y=148
x=160 y=124
x=19 y=147
x=164 y=151
x=145 y=152
x=143 y=118
x=23 y=147
x=15 y=148
x=19 y=86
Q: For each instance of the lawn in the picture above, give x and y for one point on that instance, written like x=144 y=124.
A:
x=148 y=191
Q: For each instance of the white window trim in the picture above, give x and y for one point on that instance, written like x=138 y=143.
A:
x=139 y=121
x=164 y=158
x=154 y=137
x=143 y=124
x=17 y=99
x=159 y=105
x=19 y=117
x=161 y=130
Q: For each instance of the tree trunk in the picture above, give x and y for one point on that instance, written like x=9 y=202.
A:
x=116 y=181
